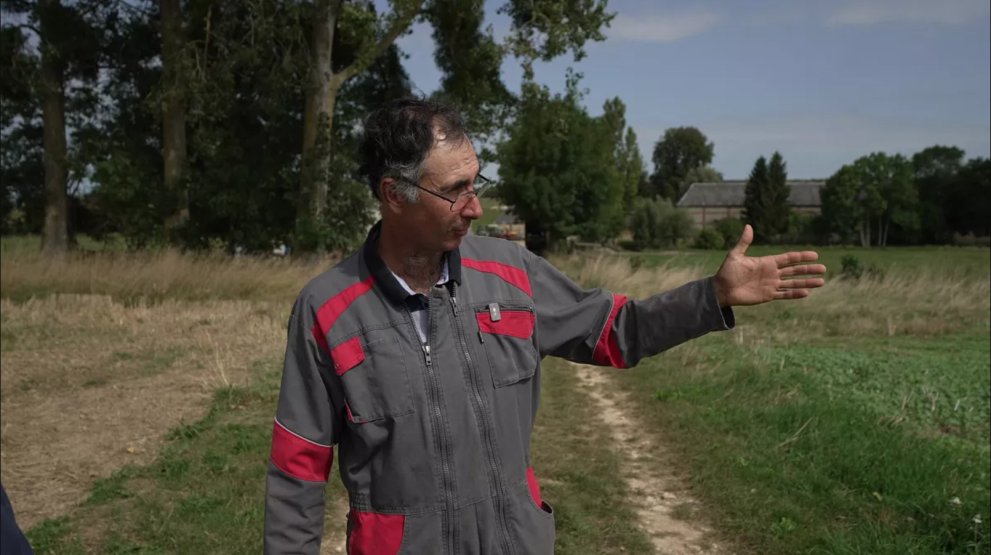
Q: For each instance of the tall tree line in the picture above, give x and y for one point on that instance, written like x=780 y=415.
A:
x=199 y=122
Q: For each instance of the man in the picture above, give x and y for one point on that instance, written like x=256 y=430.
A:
x=420 y=357
x=12 y=540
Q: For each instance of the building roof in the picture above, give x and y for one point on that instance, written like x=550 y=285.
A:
x=732 y=193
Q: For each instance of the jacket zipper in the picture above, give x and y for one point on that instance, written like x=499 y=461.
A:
x=500 y=510
x=438 y=426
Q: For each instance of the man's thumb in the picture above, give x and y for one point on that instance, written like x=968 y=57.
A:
x=745 y=239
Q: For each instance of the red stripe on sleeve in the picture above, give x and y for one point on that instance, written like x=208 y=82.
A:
x=508 y=273
x=607 y=349
x=300 y=458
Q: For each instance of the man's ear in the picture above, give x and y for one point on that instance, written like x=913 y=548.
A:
x=392 y=200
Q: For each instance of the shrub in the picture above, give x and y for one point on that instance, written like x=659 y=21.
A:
x=854 y=269
x=709 y=239
x=657 y=223
x=731 y=229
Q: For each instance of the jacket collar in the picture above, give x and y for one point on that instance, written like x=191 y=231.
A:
x=384 y=278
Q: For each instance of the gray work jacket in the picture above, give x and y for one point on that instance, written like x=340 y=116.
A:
x=433 y=437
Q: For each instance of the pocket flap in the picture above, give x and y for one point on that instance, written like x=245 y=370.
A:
x=514 y=323
x=347 y=355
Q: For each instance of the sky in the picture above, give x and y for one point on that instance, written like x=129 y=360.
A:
x=822 y=81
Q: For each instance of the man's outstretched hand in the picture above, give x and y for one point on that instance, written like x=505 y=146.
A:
x=746 y=281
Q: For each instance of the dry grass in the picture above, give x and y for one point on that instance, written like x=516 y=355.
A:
x=156 y=275
x=918 y=302
x=90 y=384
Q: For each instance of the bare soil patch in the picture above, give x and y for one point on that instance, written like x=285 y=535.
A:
x=90 y=385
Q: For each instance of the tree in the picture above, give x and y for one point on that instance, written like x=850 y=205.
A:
x=888 y=195
x=869 y=196
x=541 y=29
x=969 y=199
x=678 y=152
x=776 y=197
x=243 y=92
x=756 y=203
x=69 y=38
x=897 y=187
x=935 y=169
x=21 y=168
x=842 y=211
x=705 y=174
x=174 y=110
x=557 y=168
x=629 y=163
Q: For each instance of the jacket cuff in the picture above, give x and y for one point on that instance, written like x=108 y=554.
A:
x=718 y=318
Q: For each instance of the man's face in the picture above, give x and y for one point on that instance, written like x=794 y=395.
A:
x=450 y=170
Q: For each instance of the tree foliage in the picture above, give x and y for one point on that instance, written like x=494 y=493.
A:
x=629 y=162
x=558 y=168
x=869 y=196
x=765 y=202
x=656 y=223
x=239 y=74
x=676 y=154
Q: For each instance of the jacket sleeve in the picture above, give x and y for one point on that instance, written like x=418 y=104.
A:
x=307 y=426
x=595 y=326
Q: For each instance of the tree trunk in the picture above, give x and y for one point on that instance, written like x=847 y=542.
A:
x=318 y=119
x=173 y=113
x=55 y=237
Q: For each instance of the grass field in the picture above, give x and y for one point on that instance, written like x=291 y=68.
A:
x=854 y=422
x=949 y=261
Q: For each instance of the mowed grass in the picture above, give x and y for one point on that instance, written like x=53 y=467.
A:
x=853 y=422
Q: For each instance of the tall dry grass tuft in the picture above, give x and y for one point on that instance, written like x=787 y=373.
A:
x=618 y=275
x=155 y=275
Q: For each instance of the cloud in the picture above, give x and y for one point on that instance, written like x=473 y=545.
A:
x=945 y=12
x=662 y=28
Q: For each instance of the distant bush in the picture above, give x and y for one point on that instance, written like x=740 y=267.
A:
x=731 y=229
x=970 y=240
x=854 y=269
x=656 y=223
x=709 y=239
x=802 y=228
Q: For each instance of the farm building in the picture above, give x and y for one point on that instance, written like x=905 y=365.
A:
x=709 y=202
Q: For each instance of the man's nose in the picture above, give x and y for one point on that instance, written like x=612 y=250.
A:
x=473 y=210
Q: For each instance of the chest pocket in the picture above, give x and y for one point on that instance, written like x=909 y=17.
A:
x=373 y=373
x=506 y=332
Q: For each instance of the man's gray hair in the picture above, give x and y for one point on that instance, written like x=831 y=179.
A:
x=397 y=138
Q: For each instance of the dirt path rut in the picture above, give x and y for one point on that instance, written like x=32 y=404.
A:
x=661 y=497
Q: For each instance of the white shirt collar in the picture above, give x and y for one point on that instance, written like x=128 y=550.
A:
x=445 y=276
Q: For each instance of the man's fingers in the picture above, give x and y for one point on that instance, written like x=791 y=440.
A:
x=791 y=294
x=795 y=257
x=810 y=283
x=803 y=270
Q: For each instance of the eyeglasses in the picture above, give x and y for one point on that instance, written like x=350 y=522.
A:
x=458 y=203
